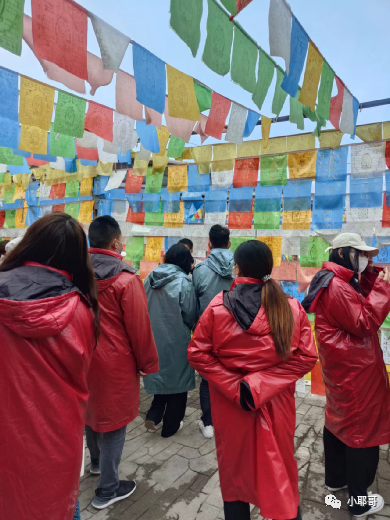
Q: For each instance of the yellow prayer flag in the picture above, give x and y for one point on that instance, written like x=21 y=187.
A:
x=104 y=168
x=202 y=156
x=33 y=139
x=153 y=249
x=7 y=179
x=55 y=176
x=140 y=168
x=276 y=146
x=36 y=104
x=177 y=178
x=302 y=165
x=186 y=155
x=163 y=138
x=223 y=157
x=20 y=218
x=312 y=325
x=19 y=193
x=182 y=101
x=85 y=171
x=85 y=214
x=369 y=133
x=23 y=179
x=275 y=244
x=39 y=173
x=265 y=130
x=174 y=220
x=330 y=138
x=297 y=143
x=249 y=149
x=386 y=130
x=312 y=77
x=159 y=163
x=296 y=219
x=86 y=185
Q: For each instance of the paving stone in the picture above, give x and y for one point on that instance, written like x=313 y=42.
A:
x=215 y=498
x=384 y=489
x=207 y=447
x=302 y=456
x=301 y=430
x=316 y=400
x=303 y=408
x=208 y=512
x=206 y=464
x=170 y=471
x=319 y=426
x=309 y=439
x=312 y=415
x=313 y=511
x=187 y=507
x=384 y=469
x=168 y=452
x=189 y=453
x=317 y=451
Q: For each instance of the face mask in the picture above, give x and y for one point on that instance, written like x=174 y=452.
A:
x=363 y=262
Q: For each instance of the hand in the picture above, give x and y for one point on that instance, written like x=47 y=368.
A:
x=370 y=266
x=140 y=373
x=384 y=275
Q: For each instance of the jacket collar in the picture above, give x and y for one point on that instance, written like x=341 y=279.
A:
x=244 y=279
x=340 y=271
x=36 y=264
x=97 y=251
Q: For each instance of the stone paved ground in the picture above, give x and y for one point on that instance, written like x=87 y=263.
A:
x=177 y=478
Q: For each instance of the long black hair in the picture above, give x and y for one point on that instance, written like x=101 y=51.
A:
x=348 y=263
x=180 y=255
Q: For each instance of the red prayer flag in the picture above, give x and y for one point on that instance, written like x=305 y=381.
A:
x=241 y=4
x=60 y=34
x=240 y=220
x=31 y=161
x=2 y=218
x=336 y=104
x=386 y=213
x=57 y=191
x=220 y=107
x=135 y=218
x=387 y=154
x=317 y=382
x=58 y=207
x=286 y=272
x=90 y=154
x=98 y=120
x=133 y=183
x=246 y=172
x=145 y=267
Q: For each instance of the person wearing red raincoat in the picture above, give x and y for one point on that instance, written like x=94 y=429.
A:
x=252 y=344
x=126 y=350
x=357 y=414
x=47 y=336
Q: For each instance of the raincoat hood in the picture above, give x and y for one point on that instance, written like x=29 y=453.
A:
x=37 y=301
x=244 y=300
x=164 y=274
x=107 y=265
x=221 y=262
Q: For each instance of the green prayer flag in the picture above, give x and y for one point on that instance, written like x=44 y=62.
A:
x=316 y=252
x=72 y=209
x=8 y=157
x=11 y=25
x=230 y=5
x=185 y=21
x=296 y=111
x=279 y=95
x=325 y=91
x=311 y=316
x=244 y=59
x=273 y=170
x=72 y=189
x=155 y=219
x=9 y=218
x=237 y=241
x=135 y=250
x=265 y=75
x=2 y=178
x=175 y=147
x=70 y=115
x=153 y=182
x=203 y=97
x=9 y=192
x=216 y=54
x=61 y=145
x=267 y=220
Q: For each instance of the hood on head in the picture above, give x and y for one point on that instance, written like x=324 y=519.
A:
x=221 y=262
x=164 y=274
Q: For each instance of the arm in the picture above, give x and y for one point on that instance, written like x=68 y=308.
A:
x=188 y=305
x=357 y=318
x=369 y=276
x=268 y=383
x=139 y=331
x=200 y=357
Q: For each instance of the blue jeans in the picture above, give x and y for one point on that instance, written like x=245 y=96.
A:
x=107 y=449
x=204 y=396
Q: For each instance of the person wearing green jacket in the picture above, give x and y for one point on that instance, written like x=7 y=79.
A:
x=173 y=313
x=211 y=277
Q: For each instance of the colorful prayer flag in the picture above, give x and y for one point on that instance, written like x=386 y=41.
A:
x=203 y=96
x=273 y=170
x=279 y=26
x=153 y=249
x=265 y=130
x=182 y=102
x=177 y=178
x=33 y=139
x=246 y=172
x=312 y=77
x=99 y=120
x=299 y=45
x=325 y=90
x=11 y=26
x=185 y=21
x=216 y=54
x=112 y=43
x=149 y=74
x=220 y=107
x=336 y=104
x=301 y=165
x=62 y=145
x=153 y=182
x=135 y=250
x=70 y=115
x=265 y=75
x=236 y=126
x=125 y=96
x=244 y=59
x=97 y=75
x=279 y=95
x=36 y=103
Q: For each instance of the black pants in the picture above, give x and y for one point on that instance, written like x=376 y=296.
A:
x=204 y=395
x=352 y=467
x=241 y=511
x=170 y=409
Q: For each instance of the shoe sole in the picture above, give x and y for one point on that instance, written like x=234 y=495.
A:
x=335 y=489
x=370 y=512
x=114 y=500
x=96 y=473
x=150 y=425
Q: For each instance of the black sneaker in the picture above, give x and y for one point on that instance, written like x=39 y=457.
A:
x=102 y=500
x=94 y=469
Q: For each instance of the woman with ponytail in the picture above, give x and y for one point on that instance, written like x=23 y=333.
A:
x=252 y=344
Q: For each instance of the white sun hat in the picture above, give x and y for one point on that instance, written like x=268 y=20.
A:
x=352 y=240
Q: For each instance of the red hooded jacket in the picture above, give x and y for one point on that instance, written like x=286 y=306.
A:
x=47 y=340
x=255 y=449
x=126 y=344
x=357 y=386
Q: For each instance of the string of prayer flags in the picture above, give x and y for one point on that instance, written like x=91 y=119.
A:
x=297 y=195
x=170 y=201
x=97 y=75
x=244 y=59
x=60 y=34
x=372 y=132
x=246 y=172
x=182 y=100
x=266 y=220
x=325 y=91
x=336 y=104
x=220 y=108
x=153 y=181
x=185 y=21
x=296 y=111
x=296 y=220
x=251 y=122
x=36 y=103
x=99 y=120
x=240 y=199
x=279 y=23
x=217 y=49
x=33 y=139
x=265 y=75
x=133 y=183
x=280 y=95
x=125 y=96
x=312 y=77
x=203 y=96
x=178 y=127
x=112 y=43
x=330 y=138
x=236 y=127
x=265 y=130
x=177 y=178
x=135 y=250
x=69 y=115
x=175 y=147
x=273 y=170
x=215 y=201
x=275 y=244
x=368 y=160
x=313 y=252
x=240 y=220
x=299 y=46
x=153 y=249
x=154 y=218
x=197 y=181
x=174 y=220
x=366 y=193
x=302 y=165
x=150 y=79
x=148 y=136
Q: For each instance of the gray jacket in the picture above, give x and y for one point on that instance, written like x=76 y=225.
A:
x=173 y=313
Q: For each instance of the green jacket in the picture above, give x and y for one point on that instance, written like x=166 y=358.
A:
x=173 y=313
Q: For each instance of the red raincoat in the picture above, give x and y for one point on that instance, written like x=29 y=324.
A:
x=255 y=449
x=45 y=349
x=126 y=344
x=357 y=386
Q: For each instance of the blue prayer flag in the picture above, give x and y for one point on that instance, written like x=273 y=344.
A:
x=70 y=165
x=99 y=184
x=170 y=201
x=268 y=198
x=197 y=181
x=169 y=242
x=331 y=164
x=291 y=288
x=327 y=218
x=31 y=194
x=299 y=46
x=22 y=153
x=387 y=175
x=355 y=108
x=15 y=170
x=33 y=214
x=297 y=195
x=251 y=121
x=148 y=136
x=330 y=195
x=190 y=210
x=115 y=194
x=135 y=201
x=192 y=195
x=150 y=79
x=384 y=250
x=9 y=133
x=87 y=162
x=240 y=199
x=215 y=201
x=151 y=202
x=366 y=193
x=9 y=94
x=126 y=158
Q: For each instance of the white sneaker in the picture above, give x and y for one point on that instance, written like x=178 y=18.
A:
x=379 y=505
x=207 y=431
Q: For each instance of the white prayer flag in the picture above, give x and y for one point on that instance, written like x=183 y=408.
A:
x=112 y=43
x=236 y=124
x=124 y=134
x=115 y=180
x=105 y=156
x=347 y=122
x=279 y=25
x=368 y=160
